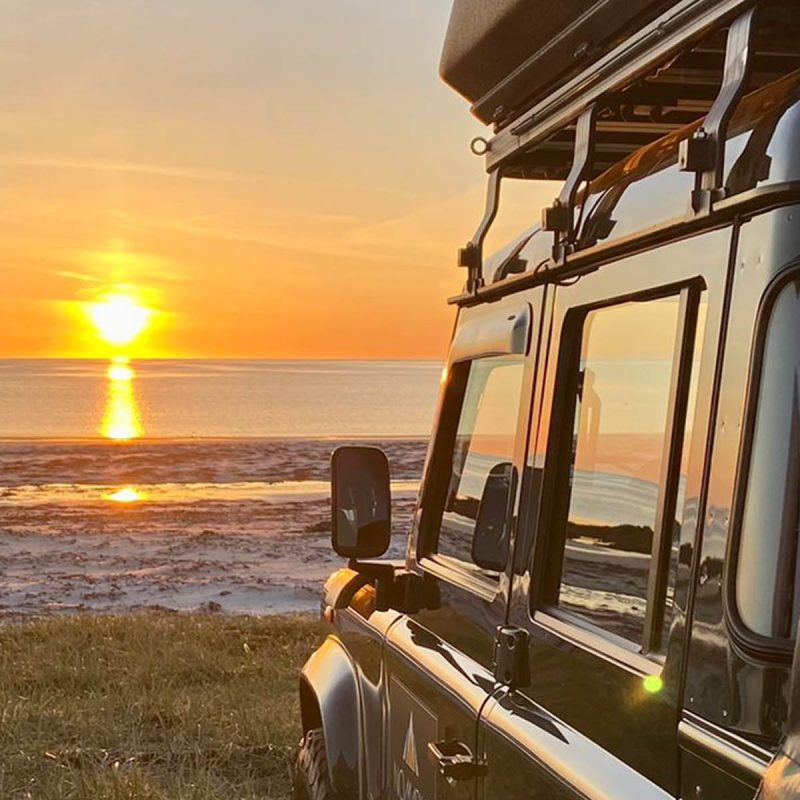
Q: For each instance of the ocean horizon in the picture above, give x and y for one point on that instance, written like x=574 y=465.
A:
x=127 y=400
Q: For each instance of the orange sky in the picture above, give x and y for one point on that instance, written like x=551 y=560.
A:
x=273 y=179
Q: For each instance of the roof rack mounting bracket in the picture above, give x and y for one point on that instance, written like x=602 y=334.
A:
x=560 y=217
x=471 y=256
x=704 y=153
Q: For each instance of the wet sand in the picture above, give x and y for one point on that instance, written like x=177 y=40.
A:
x=239 y=526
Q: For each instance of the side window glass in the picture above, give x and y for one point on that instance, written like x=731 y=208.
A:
x=768 y=568
x=623 y=380
x=473 y=524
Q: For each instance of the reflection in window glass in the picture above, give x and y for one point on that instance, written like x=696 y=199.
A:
x=473 y=526
x=767 y=581
x=620 y=423
x=761 y=152
x=650 y=187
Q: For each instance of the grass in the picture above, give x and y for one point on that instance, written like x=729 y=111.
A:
x=150 y=706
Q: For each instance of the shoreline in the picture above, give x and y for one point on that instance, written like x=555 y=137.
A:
x=237 y=526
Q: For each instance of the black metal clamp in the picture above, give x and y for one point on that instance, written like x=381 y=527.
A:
x=511 y=657
x=455 y=761
x=471 y=256
x=704 y=153
x=559 y=218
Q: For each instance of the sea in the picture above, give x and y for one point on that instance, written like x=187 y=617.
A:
x=84 y=434
x=177 y=399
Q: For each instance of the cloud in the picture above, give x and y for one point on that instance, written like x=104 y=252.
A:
x=194 y=174
x=102 y=165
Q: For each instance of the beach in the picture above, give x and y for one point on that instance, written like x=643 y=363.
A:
x=214 y=525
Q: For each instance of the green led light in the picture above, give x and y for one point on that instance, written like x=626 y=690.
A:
x=653 y=684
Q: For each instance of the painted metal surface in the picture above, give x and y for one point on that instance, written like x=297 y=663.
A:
x=533 y=753
x=487 y=333
x=331 y=676
x=437 y=692
x=585 y=680
x=740 y=690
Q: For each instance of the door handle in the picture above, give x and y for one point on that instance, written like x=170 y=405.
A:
x=455 y=760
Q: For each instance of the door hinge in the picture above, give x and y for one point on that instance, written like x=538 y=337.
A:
x=511 y=658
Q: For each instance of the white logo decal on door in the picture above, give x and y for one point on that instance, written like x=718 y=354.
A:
x=410 y=747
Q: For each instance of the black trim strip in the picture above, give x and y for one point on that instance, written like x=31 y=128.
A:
x=669 y=479
x=576 y=630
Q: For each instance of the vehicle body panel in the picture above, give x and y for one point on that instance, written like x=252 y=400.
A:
x=589 y=686
x=443 y=656
x=743 y=694
x=330 y=675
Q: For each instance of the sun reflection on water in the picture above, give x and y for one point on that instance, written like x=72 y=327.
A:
x=121 y=419
x=125 y=495
x=119 y=372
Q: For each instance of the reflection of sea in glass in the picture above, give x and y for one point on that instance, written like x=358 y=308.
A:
x=121 y=419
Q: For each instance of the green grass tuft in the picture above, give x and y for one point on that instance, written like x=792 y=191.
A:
x=150 y=706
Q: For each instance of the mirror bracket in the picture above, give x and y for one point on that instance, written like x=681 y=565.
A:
x=397 y=589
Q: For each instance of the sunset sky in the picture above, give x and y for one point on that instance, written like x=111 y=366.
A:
x=270 y=179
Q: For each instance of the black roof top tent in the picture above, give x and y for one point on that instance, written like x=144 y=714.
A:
x=503 y=55
x=648 y=70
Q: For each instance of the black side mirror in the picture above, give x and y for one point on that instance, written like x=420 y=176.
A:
x=360 y=502
x=490 y=540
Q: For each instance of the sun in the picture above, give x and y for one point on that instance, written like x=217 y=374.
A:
x=119 y=319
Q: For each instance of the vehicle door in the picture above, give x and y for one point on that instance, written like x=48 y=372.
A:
x=439 y=660
x=602 y=561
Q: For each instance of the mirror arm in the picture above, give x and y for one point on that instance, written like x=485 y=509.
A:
x=373 y=569
x=397 y=589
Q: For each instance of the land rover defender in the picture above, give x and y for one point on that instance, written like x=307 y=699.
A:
x=601 y=590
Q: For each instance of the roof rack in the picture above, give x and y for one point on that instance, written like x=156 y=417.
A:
x=687 y=88
x=677 y=70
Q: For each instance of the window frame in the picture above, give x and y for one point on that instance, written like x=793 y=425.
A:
x=465 y=574
x=548 y=549
x=778 y=649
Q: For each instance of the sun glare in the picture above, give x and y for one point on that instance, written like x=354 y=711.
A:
x=121 y=420
x=125 y=495
x=119 y=319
